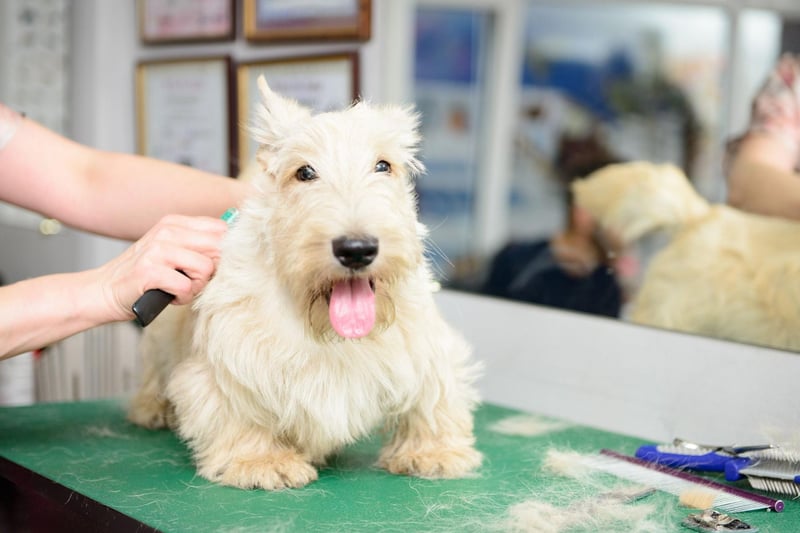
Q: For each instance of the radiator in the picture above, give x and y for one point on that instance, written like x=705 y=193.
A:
x=99 y=363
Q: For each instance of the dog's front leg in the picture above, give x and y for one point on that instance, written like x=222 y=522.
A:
x=227 y=447
x=434 y=437
x=432 y=445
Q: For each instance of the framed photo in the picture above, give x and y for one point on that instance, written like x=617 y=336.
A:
x=180 y=21
x=307 y=20
x=322 y=83
x=184 y=112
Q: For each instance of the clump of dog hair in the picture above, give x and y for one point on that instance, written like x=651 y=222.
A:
x=566 y=464
x=594 y=503
x=587 y=515
x=528 y=425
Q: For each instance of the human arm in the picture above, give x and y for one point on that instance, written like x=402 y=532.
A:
x=119 y=195
x=39 y=311
x=762 y=163
x=762 y=179
x=114 y=194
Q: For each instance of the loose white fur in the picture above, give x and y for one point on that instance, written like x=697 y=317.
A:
x=254 y=378
x=724 y=273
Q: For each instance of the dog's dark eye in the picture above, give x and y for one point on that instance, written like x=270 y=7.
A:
x=383 y=166
x=306 y=173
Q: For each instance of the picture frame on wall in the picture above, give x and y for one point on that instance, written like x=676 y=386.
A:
x=183 y=21
x=311 y=20
x=322 y=83
x=184 y=112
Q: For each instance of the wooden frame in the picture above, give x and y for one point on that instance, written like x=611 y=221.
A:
x=284 y=20
x=323 y=83
x=184 y=112
x=181 y=21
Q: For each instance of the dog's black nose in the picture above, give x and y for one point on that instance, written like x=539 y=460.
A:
x=355 y=253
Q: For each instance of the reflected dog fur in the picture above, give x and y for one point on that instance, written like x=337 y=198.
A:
x=724 y=273
x=254 y=377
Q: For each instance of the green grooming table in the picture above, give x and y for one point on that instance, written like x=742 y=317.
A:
x=83 y=467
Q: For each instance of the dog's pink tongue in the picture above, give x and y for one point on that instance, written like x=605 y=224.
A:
x=352 y=308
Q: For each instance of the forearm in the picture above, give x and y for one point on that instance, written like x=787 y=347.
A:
x=113 y=194
x=178 y=255
x=762 y=179
x=129 y=193
x=38 y=312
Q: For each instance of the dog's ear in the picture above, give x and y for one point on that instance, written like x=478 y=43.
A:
x=274 y=117
x=401 y=137
x=405 y=120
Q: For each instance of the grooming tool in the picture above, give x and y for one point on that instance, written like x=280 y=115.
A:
x=713 y=521
x=766 y=467
x=733 y=450
x=627 y=495
x=727 y=498
x=153 y=301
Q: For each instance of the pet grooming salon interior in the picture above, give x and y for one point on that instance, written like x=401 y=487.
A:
x=581 y=238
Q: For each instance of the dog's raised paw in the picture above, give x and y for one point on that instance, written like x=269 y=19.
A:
x=434 y=462
x=274 y=472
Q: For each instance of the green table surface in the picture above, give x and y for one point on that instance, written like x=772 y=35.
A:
x=91 y=449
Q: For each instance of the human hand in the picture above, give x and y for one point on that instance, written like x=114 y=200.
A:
x=575 y=249
x=584 y=245
x=178 y=255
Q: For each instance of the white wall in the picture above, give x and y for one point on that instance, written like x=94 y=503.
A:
x=107 y=49
x=649 y=383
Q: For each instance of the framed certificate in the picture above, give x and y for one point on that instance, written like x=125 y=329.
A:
x=322 y=83
x=173 y=21
x=184 y=112
x=307 y=20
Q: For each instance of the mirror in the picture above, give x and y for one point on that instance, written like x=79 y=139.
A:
x=520 y=97
x=589 y=84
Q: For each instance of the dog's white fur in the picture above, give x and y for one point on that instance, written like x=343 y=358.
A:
x=724 y=273
x=254 y=378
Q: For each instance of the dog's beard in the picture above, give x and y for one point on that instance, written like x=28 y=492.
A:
x=318 y=313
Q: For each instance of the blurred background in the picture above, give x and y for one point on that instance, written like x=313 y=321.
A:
x=518 y=98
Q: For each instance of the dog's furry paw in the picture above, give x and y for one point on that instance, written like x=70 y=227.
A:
x=152 y=413
x=433 y=462
x=274 y=472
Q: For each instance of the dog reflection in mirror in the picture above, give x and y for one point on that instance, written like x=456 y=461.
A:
x=724 y=273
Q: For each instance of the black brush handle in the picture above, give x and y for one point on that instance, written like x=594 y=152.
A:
x=150 y=304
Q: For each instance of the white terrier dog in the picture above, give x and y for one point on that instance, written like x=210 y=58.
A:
x=724 y=273
x=319 y=325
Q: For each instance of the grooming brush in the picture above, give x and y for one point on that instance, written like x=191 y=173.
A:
x=680 y=483
x=766 y=467
x=153 y=301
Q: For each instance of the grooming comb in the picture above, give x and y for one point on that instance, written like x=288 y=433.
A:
x=679 y=482
x=766 y=467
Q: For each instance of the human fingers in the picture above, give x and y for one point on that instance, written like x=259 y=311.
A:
x=575 y=256
x=202 y=234
x=176 y=244
x=179 y=271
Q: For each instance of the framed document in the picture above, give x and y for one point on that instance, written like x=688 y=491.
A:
x=184 y=112
x=307 y=20
x=322 y=83
x=174 y=21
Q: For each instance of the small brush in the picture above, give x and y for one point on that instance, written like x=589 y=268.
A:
x=766 y=467
x=678 y=482
x=153 y=301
